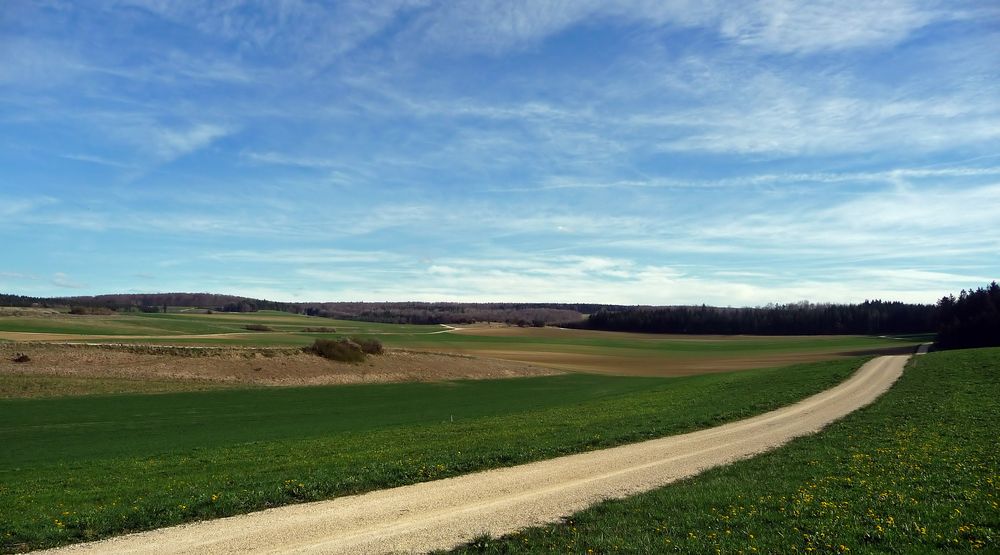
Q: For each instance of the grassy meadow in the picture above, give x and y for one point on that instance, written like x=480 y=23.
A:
x=80 y=468
x=916 y=472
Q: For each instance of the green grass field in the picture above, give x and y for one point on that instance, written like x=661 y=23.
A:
x=916 y=472
x=80 y=468
x=29 y=384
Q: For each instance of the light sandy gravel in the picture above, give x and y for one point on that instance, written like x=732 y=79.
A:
x=445 y=513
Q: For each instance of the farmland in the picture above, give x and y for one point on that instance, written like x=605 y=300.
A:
x=576 y=350
x=918 y=471
x=136 y=421
x=89 y=466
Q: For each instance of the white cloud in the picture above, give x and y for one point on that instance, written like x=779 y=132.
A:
x=772 y=25
x=539 y=279
x=778 y=117
x=171 y=143
x=805 y=27
x=11 y=207
x=322 y=256
x=97 y=160
x=295 y=31
x=63 y=281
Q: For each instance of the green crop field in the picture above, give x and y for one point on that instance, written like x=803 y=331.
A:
x=916 y=472
x=77 y=468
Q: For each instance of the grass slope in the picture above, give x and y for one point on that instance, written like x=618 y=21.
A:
x=28 y=384
x=82 y=468
x=917 y=472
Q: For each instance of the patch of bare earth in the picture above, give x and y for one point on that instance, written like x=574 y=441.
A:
x=237 y=366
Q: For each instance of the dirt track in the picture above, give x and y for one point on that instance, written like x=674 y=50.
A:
x=444 y=513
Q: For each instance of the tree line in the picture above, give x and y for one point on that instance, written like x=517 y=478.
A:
x=148 y=302
x=520 y=314
x=971 y=320
x=869 y=318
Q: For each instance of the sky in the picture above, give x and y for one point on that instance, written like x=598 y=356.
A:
x=632 y=152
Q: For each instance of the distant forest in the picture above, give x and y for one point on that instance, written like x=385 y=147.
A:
x=523 y=314
x=148 y=302
x=970 y=320
x=869 y=317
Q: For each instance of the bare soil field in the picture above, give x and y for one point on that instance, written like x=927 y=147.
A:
x=239 y=367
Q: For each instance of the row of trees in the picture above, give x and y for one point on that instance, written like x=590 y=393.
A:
x=523 y=314
x=148 y=302
x=971 y=320
x=869 y=317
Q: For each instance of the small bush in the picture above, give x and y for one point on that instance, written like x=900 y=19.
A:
x=369 y=345
x=343 y=350
x=257 y=327
x=91 y=310
x=320 y=330
x=21 y=357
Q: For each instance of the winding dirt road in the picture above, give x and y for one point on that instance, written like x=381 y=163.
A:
x=444 y=513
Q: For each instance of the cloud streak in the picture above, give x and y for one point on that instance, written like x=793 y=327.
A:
x=636 y=151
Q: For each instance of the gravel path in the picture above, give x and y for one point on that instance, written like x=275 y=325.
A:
x=445 y=513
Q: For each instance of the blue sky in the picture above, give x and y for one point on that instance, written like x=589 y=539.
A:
x=647 y=152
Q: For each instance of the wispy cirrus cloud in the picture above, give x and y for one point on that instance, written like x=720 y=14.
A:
x=64 y=281
x=673 y=151
x=782 y=26
x=99 y=160
x=170 y=143
x=787 y=26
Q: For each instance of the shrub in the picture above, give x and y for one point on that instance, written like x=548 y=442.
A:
x=257 y=327
x=320 y=330
x=21 y=357
x=343 y=350
x=369 y=345
x=91 y=310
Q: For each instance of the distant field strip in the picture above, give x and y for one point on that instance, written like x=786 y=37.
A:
x=88 y=467
x=581 y=350
x=444 y=513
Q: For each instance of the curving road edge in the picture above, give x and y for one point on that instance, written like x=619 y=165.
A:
x=445 y=513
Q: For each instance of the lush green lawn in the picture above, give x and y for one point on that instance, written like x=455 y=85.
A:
x=86 y=467
x=917 y=472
